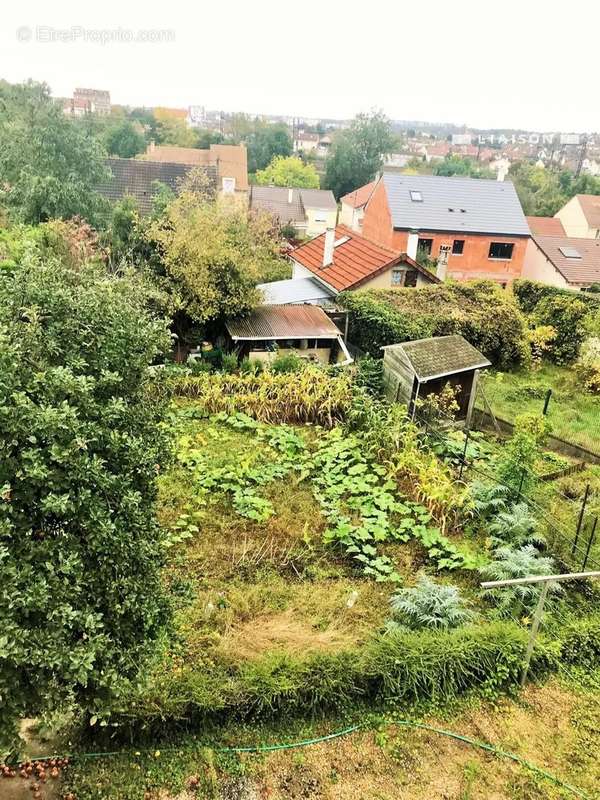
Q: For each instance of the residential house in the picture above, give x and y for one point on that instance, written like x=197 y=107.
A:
x=545 y=226
x=309 y=211
x=435 y=152
x=417 y=369
x=580 y=217
x=131 y=177
x=563 y=261
x=341 y=259
x=98 y=100
x=475 y=228
x=230 y=162
x=306 y=142
x=353 y=206
x=275 y=330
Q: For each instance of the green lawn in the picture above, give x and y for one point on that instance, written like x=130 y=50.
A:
x=574 y=415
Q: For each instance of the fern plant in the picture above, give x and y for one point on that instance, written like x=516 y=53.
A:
x=508 y=563
x=489 y=500
x=428 y=605
x=516 y=526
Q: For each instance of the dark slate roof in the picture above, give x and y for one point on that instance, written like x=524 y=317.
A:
x=284 y=322
x=276 y=200
x=137 y=178
x=469 y=205
x=441 y=356
x=582 y=269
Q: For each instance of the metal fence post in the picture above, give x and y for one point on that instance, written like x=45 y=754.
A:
x=590 y=543
x=547 y=401
x=580 y=520
x=464 y=455
x=537 y=618
x=521 y=483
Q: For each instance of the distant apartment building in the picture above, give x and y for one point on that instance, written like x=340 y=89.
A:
x=580 y=217
x=306 y=142
x=473 y=228
x=98 y=100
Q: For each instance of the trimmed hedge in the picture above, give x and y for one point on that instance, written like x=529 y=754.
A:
x=480 y=311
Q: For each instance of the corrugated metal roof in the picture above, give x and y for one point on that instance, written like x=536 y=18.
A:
x=441 y=356
x=294 y=290
x=470 y=205
x=284 y=322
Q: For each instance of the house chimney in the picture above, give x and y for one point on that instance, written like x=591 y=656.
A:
x=328 y=247
x=290 y=195
x=442 y=264
x=412 y=245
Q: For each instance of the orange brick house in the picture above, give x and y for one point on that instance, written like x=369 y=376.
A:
x=475 y=228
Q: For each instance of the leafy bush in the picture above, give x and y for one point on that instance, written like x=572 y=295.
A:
x=480 y=311
x=530 y=293
x=229 y=363
x=428 y=605
x=587 y=367
x=81 y=442
x=286 y=363
x=521 y=563
x=369 y=375
x=567 y=317
x=488 y=500
x=521 y=452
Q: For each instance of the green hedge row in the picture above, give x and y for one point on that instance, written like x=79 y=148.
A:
x=405 y=666
x=530 y=293
x=484 y=314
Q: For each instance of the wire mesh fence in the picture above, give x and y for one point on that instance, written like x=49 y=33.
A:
x=570 y=523
x=574 y=416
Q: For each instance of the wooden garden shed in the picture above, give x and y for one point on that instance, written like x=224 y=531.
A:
x=413 y=370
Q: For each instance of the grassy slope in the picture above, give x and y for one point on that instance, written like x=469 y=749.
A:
x=574 y=415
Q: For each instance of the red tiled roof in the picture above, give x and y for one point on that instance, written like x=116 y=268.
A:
x=354 y=261
x=545 y=226
x=359 y=197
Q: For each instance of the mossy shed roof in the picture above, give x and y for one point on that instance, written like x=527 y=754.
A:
x=440 y=356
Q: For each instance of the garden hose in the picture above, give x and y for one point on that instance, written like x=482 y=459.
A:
x=264 y=748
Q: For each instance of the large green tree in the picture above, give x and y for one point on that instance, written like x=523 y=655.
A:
x=265 y=142
x=125 y=139
x=357 y=153
x=48 y=165
x=81 y=443
x=288 y=171
x=466 y=167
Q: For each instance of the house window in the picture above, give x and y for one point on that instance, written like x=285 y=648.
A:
x=415 y=196
x=501 y=250
x=425 y=246
x=411 y=278
x=228 y=185
x=397 y=275
x=458 y=246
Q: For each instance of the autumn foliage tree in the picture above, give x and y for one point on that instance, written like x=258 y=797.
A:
x=213 y=253
x=81 y=444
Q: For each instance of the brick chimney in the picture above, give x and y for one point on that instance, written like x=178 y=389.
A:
x=290 y=195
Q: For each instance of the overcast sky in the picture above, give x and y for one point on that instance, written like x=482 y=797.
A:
x=518 y=63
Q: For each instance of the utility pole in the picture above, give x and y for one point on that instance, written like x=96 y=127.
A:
x=582 y=153
x=545 y=580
